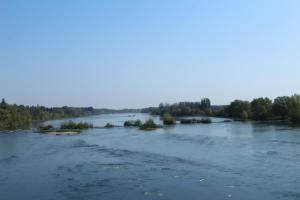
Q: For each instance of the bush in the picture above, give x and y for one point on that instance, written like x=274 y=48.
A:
x=168 y=119
x=188 y=121
x=194 y=121
x=109 y=125
x=136 y=123
x=73 y=125
x=205 y=121
x=44 y=128
x=150 y=125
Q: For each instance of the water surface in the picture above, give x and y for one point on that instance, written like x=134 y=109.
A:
x=202 y=161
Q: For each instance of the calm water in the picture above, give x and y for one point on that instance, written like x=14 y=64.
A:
x=205 y=161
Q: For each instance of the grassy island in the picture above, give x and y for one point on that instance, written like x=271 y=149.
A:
x=169 y=119
x=66 y=128
x=196 y=121
x=150 y=125
x=132 y=123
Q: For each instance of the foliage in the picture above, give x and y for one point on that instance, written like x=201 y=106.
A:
x=194 y=121
x=20 y=117
x=294 y=108
x=168 y=119
x=261 y=109
x=73 y=125
x=149 y=125
x=44 y=128
x=239 y=109
x=182 y=108
x=281 y=107
x=136 y=123
x=109 y=125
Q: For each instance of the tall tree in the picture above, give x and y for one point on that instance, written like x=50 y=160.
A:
x=280 y=107
x=261 y=108
x=294 y=108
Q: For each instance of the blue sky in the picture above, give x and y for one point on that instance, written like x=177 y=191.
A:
x=138 y=53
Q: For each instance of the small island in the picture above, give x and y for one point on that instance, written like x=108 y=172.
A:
x=66 y=128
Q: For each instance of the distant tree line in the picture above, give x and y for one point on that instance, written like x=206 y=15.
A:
x=182 y=109
x=19 y=117
x=264 y=109
x=286 y=108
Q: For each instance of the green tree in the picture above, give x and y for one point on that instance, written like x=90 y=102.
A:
x=239 y=109
x=3 y=104
x=294 y=108
x=244 y=115
x=280 y=107
x=205 y=104
x=261 y=108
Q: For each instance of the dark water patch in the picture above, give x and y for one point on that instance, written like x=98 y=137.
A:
x=289 y=195
x=81 y=143
x=8 y=160
x=286 y=142
x=202 y=140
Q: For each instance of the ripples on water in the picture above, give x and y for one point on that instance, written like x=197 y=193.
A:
x=205 y=161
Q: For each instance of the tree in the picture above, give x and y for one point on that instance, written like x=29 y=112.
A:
x=3 y=104
x=239 y=109
x=294 y=108
x=261 y=108
x=280 y=107
x=205 y=104
x=244 y=115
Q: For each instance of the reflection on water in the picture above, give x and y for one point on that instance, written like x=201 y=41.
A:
x=202 y=161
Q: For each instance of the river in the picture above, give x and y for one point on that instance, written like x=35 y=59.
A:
x=203 y=161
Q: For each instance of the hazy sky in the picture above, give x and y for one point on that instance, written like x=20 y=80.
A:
x=137 y=53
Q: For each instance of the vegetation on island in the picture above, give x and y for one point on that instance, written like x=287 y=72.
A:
x=133 y=123
x=196 y=121
x=109 y=125
x=149 y=125
x=169 y=119
x=73 y=125
x=66 y=127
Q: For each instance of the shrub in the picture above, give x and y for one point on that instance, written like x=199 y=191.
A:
x=150 y=125
x=168 y=119
x=44 y=128
x=109 y=125
x=73 y=125
x=136 y=123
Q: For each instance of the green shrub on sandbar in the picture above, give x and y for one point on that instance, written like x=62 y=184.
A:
x=73 y=125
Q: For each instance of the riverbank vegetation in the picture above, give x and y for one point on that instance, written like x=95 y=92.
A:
x=264 y=109
x=283 y=108
x=14 y=116
x=259 y=109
